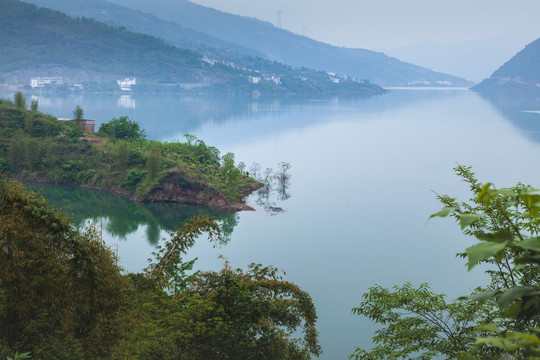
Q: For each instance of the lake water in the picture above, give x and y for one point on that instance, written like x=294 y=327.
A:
x=363 y=181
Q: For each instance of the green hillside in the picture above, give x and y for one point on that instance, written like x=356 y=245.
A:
x=42 y=42
x=38 y=147
x=292 y=49
x=38 y=39
x=520 y=74
x=145 y=23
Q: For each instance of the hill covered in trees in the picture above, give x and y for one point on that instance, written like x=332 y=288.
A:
x=519 y=74
x=42 y=42
x=38 y=147
x=288 y=48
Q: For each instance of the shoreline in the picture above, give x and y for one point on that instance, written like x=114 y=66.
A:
x=180 y=195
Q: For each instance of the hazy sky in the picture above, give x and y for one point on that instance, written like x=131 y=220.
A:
x=379 y=24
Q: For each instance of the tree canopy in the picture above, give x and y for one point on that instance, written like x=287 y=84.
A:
x=499 y=320
x=122 y=128
x=62 y=296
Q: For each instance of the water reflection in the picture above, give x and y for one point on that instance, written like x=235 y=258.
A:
x=123 y=216
x=276 y=186
x=522 y=110
x=126 y=102
x=170 y=116
x=48 y=102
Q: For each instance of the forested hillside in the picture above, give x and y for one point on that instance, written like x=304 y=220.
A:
x=292 y=49
x=519 y=74
x=145 y=23
x=34 y=146
x=41 y=42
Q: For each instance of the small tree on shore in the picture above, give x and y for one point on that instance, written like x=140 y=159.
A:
x=78 y=113
x=19 y=100
x=34 y=105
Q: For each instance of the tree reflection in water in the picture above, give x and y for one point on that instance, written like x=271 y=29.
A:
x=276 y=185
x=122 y=217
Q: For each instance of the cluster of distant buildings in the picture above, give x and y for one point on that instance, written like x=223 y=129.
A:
x=253 y=79
x=338 y=79
x=427 y=83
x=126 y=83
x=36 y=82
x=257 y=79
x=42 y=81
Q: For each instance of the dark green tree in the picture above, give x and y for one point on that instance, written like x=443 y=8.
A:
x=121 y=155
x=122 y=128
x=17 y=150
x=154 y=162
x=232 y=314
x=61 y=293
x=418 y=323
x=78 y=114
x=19 y=100
x=34 y=105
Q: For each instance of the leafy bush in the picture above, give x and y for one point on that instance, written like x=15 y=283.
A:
x=122 y=128
x=133 y=177
x=498 y=321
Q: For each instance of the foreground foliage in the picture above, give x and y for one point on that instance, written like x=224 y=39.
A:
x=500 y=320
x=62 y=296
x=61 y=293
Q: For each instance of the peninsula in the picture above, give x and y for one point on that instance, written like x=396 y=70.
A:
x=117 y=158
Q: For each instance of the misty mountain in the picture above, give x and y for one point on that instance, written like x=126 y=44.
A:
x=145 y=23
x=519 y=74
x=292 y=49
x=473 y=60
x=43 y=42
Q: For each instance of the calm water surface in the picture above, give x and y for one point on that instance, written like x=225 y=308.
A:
x=363 y=181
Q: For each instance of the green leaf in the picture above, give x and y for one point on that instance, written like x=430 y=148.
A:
x=483 y=296
x=512 y=311
x=483 y=251
x=507 y=191
x=508 y=296
x=492 y=327
x=499 y=236
x=484 y=195
x=444 y=212
x=529 y=244
x=468 y=219
x=495 y=341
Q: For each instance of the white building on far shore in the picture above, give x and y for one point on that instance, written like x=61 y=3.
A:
x=42 y=81
x=126 y=83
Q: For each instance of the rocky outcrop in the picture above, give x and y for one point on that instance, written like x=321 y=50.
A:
x=174 y=188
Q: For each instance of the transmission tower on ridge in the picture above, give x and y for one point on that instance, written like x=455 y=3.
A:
x=279 y=18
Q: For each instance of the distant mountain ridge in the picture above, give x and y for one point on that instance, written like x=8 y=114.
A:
x=142 y=22
x=186 y=24
x=520 y=73
x=292 y=49
x=473 y=60
x=43 y=42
